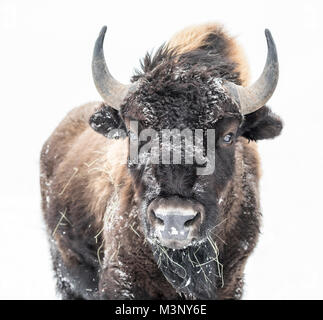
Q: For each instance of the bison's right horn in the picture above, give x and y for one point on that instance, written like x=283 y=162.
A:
x=112 y=91
x=255 y=96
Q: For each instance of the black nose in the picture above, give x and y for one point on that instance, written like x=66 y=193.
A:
x=175 y=222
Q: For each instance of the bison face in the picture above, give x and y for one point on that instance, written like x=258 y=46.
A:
x=182 y=140
x=179 y=201
x=182 y=132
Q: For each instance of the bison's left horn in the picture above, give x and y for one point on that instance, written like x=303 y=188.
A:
x=112 y=91
x=254 y=97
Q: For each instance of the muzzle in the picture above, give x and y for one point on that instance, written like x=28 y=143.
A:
x=175 y=222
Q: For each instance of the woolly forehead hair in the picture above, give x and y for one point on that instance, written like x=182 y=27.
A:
x=179 y=96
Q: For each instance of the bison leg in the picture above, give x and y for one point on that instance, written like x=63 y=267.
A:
x=74 y=283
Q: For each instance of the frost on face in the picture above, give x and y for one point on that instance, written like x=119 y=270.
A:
x=153 y=186
x=148 y=111
x=214 y=94
x=198 y=188
x=173 y=231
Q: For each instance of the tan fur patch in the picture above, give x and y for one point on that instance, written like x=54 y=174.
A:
x=111 y=175
x=194 y=37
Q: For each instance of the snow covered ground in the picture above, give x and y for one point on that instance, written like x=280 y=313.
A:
x=45 y=58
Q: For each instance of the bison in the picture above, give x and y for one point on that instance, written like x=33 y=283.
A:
x=126 y=221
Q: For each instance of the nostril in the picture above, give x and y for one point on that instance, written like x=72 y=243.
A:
x=155 y=218
x=190 y=222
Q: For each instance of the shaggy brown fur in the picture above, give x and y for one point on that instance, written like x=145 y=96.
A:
x=90 y=207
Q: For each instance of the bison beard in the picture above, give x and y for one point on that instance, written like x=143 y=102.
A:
x=194 y=271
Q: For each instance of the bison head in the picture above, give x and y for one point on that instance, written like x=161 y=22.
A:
x=184 y=115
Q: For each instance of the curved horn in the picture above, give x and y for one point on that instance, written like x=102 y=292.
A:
x=112 y=91
x=255 y=96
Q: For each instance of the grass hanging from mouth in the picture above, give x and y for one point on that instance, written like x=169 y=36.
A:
x=98 y=253
x=161 y=253
x=216 y=252
x=164 y=251
x=201 y=269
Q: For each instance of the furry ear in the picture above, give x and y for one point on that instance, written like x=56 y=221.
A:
x=261 y=124
x=108 y=122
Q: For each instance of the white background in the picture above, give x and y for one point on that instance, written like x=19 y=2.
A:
x=45 y=58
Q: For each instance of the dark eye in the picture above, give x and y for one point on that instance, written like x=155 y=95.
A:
x=228 y=138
